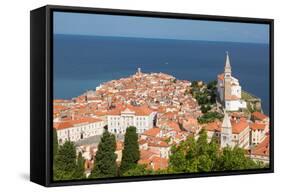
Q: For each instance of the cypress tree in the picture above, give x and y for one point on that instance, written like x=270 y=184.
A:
x=105 y=159
x=79 y=173
x=130 y=153
x=55 y=143
x=65 y=162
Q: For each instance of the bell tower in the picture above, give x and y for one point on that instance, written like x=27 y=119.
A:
x=226 y=132
x=227 y=79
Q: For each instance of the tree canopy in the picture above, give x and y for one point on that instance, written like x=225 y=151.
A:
x=65 y=162
x=79 y=172
x=55 y=143
x=130 y=153
x=200 y=156
x=205 y=94
x=138 y=170
x=209 y=117
x=105 y=159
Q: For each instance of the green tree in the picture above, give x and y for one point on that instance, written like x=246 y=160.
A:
x=212 y=90
x=209 y=117
x=193 y=156
x=204 y=163
x=130 y=153
x=214 y=152
x=79 y=172
x=65 y=162
x=202 y=143
x=105 y=159
x=55 y=150
x=200 y=156
x=138 y=170
x=205 y=108
x=212 y=85
x=55 y=143
x=194 y=84
x=177 y=159
x=235 y=159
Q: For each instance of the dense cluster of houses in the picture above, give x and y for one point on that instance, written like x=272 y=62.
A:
x=164 y=114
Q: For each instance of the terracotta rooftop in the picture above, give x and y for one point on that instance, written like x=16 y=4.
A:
x=152 y=132
x=259 y=116
x=138 y=110
x=146 y=154
x=262 y=149
x=159 y=163
x=61 y=101
x=173 y=125
x=59 y=108
x=257 y=126
x=214 y=126
x=72 y=123
x=238 y=127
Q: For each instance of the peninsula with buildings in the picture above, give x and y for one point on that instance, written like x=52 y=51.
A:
x=169 y=116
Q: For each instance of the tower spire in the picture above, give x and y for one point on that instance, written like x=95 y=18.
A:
x=227 y=66
x=226 y=120
x=227 y=78
x=226 y=131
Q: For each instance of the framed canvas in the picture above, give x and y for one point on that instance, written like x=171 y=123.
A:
x=122 y=95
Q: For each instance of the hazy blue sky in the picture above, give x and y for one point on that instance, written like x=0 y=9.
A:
x=145 y=27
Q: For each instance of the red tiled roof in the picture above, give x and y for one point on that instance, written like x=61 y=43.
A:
x=159 y=163
x=62 y=125
x=257 y=126
x=159 y=144
x=173 y=125
x=152 y=132
x=71 y=123
x=61 y=101
x=169 y=115
x=146 y=154
x=259 y=115
x=59 y=108
x=138 y=110
x=214 y=126
x=262 y=149
x=155 y=163
x=238 y=127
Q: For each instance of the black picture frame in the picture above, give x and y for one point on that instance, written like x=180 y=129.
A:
x=41 y=92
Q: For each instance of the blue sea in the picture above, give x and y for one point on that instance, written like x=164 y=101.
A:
x=84 y=62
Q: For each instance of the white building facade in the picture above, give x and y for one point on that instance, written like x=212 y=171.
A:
x=231 y=134
x=229 y=89
x=141 y=118
x=75 y=130
x=258 y=133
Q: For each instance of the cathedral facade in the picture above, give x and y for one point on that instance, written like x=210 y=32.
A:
x=229 y=89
